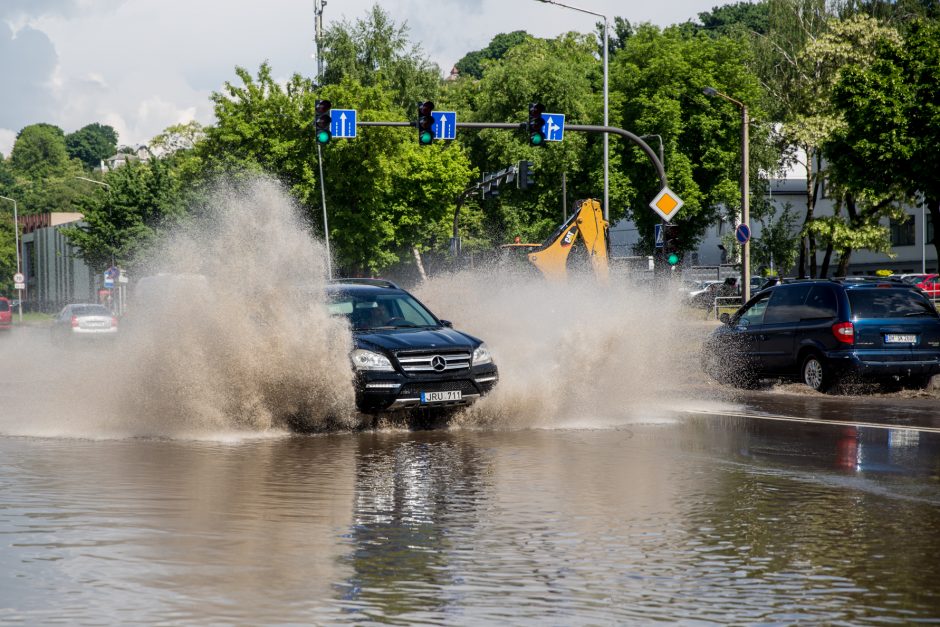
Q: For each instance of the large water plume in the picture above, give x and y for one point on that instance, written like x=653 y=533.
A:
x=229 y=335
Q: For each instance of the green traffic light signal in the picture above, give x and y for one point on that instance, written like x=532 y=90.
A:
x=672 y=259
x=536 y=139
x=425 y=138
x=323 y=137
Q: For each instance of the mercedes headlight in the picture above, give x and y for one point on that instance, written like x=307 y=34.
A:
x=367 y=360
x=482 y=355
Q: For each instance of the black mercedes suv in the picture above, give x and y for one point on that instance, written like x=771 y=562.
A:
x=404 y=357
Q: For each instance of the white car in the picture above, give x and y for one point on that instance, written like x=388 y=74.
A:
x=84 y=320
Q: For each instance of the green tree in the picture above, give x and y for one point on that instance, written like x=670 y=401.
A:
x=385 y=195
x=887 y=148
x=91 y=143
x=124 y=220
x=39 y=151
x=375 y=50
x=727 y=19
x=471 y=64
x=657 y=82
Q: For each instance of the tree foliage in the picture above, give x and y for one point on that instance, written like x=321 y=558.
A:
x=123 y=221
x=91 y=143
x=471 y=64
x=887 y=146
x=39 y=151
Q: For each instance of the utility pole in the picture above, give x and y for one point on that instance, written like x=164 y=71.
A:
x=318 y=35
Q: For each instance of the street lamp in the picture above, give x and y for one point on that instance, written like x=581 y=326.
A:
x=745 y=188
x=16 y=242
x=606 y=108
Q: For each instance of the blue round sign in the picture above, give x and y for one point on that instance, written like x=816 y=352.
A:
x=742 y=234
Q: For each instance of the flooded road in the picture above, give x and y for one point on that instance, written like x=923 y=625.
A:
x=704 y=518
x=154 y=480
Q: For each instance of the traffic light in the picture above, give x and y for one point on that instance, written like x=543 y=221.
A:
x=323 y=121
x=525 y=177
x=536 y=124
x=672 y=252
x=425 y=123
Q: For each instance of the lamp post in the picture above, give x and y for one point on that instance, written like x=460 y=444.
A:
x=16 y=243
x=606 y=107
x=745 y=189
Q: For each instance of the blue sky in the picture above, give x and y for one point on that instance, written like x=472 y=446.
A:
x=142 y=65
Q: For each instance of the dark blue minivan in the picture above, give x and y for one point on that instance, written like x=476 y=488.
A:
x=823 y=331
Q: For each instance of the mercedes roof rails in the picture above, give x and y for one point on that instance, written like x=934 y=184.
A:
x=365 y=281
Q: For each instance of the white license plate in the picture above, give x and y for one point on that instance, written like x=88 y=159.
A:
x=900 y=338
x=440 y=397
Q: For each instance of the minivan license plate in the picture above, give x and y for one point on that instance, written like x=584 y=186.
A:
x=900 y=338
x=440 y=397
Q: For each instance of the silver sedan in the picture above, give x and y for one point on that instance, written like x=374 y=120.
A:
x=81 y=320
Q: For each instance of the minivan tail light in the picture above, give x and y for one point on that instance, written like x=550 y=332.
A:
x=844 y=332
x=113 y=321
x=74 y=321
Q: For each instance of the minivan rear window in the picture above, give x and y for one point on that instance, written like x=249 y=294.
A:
x=888 y=303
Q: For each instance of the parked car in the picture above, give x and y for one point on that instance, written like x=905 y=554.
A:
x=914 y=279
x=931 y=285
x=822 y=331
x=84 y=320
x=6 y=314
x=404 y=357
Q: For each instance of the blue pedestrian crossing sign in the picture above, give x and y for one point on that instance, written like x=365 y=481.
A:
x=658 y=235
x=343 y=123
x=554 y=129
x=445 y=124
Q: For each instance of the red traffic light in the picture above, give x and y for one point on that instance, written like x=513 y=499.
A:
x=323 y=106
x=425 y=108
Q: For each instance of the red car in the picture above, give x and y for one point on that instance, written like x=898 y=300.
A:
x=6 y=314
x=931 y=285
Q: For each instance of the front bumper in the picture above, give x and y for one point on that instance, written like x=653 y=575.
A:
x=393 y=391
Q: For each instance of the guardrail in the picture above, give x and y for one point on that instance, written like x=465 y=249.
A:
x=725 y=304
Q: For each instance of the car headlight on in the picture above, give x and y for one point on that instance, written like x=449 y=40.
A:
x=367 y=360
x=482 y=355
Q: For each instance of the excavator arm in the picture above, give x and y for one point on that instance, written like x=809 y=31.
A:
x=588 y=222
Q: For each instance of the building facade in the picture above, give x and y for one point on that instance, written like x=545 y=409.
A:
x=55 y=274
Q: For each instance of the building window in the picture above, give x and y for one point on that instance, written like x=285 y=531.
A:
x=902 y=233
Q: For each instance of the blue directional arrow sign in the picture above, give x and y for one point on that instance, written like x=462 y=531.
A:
x=343 y=123
x=658 y=235
x=445 y=124
x=554 y=129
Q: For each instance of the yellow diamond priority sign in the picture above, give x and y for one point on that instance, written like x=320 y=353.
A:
x=667 y=204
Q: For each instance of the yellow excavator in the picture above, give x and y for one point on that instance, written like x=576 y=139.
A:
x=551 y=257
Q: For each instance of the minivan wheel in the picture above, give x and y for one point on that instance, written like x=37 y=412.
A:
x=816 y=374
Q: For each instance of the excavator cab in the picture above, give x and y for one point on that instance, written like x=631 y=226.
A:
x=588 y=222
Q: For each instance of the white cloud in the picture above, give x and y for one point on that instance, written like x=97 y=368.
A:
x=144 y=65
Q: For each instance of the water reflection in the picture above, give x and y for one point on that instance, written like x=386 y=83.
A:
x=409 y=489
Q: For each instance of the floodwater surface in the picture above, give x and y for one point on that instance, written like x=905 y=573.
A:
x=704 y=519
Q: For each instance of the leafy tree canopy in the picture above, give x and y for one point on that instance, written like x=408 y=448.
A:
x=39 y=150
x=92 y=143
x=729 y=18
x=471 y=64
x=376 y=50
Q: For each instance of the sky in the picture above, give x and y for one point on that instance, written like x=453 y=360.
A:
x=143 y=65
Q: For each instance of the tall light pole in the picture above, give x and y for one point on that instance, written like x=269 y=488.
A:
x=606 y=107
x=16 y=242
x=745 y=189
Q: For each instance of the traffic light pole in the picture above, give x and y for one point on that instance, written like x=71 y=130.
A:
x=583 y=128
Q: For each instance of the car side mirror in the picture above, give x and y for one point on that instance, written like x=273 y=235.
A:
x=447 y=323
x=725 y=318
